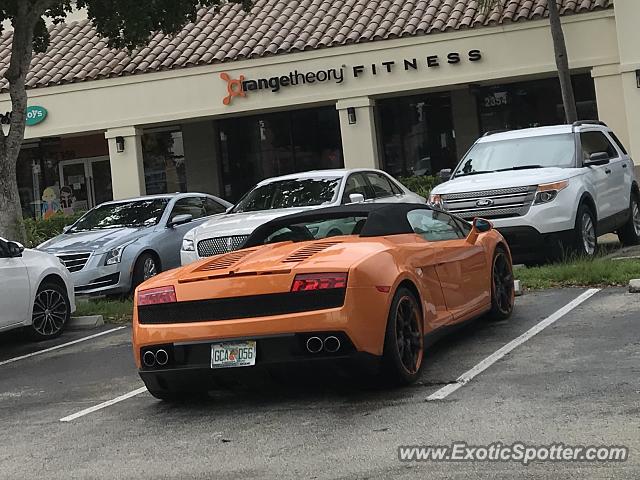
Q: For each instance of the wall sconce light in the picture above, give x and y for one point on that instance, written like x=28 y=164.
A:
x=638 y=78
x=119 y=144
x=351 y=115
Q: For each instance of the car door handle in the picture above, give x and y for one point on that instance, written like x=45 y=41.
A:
x=624 y=165
x=607 y=171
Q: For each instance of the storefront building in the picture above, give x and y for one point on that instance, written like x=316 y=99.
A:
x=235 y=98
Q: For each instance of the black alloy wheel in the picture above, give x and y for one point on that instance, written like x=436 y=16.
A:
x=51 y=311
x=502 y=286
x=404 y=340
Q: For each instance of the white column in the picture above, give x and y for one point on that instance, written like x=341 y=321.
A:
x=127 y=169
x=359 y=141
x=610 y=97
x=627 y=15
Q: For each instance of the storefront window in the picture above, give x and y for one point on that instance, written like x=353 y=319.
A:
x=63 y=175
x=533 y=104
x=416 y=134
x=164 y=163
x=262 y=146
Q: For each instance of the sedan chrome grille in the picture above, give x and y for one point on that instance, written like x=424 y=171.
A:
x=74 y=261
x=216 y=246
x=499 y=203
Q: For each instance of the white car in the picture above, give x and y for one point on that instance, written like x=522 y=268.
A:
x=548 y=189
x=276 y=197
x=36 y=291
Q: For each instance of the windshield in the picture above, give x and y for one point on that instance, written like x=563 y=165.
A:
x=288 y=194
x=519 y=154
x=141 y=213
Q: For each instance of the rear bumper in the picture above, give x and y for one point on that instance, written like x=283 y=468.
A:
x=189 y=366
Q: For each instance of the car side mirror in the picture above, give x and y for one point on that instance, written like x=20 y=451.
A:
x=66 y=228
x=444 y=174
x=356 y=198
x=179 y=220
x=15 y=249
x=597 y=158
x=480 y=225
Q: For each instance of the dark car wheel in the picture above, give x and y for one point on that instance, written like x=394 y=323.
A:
x=630 y=233
x=585 y=236
x=146 y=267
x=51 y=312
x=502 y=286
x=404 y=340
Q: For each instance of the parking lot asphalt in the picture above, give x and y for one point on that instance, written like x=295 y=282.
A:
x=575 y=382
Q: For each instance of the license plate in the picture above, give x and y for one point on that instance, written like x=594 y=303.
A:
x=233 y=354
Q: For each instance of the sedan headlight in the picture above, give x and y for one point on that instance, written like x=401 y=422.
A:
x=188 y=245
x=114 y=256
x=549 y=191
x=435 y=200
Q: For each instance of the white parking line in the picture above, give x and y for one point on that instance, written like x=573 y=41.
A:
x=106 y=404
x=466 y=377
x=58 y=347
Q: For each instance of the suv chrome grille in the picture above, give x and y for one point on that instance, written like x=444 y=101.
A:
x=74 y=261
x=499 y=203
x=216 y=246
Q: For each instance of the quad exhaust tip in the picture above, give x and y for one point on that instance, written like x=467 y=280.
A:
x=149 y=359
x=314 y=344
x=331 y=344
x=162 y=357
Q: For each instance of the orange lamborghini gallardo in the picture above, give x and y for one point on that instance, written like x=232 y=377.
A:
x=293 y=294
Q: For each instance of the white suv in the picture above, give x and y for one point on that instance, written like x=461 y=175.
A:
x=548 y=189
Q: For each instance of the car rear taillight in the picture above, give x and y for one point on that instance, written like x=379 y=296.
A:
x=155 y=296
x=318 y=281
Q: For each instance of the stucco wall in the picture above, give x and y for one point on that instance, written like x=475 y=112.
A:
x=513 y=51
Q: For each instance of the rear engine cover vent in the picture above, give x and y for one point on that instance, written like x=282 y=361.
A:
x=308 y=251
x=224 y=261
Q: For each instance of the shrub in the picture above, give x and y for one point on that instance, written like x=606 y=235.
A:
x=39 y=231
x=421 y=185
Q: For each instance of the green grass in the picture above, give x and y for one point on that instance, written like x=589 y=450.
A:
x=113 y=311
x=598 y=272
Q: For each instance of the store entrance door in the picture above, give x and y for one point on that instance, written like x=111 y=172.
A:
x=84 y=183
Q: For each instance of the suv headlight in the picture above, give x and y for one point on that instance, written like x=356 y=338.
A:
x=114 y=256
x=188 y=245
x=549 y=191
x=435 y=200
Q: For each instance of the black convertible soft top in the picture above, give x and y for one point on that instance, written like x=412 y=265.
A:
x=382 y=219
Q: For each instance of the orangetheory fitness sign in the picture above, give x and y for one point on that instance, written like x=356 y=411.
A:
x=241 y=86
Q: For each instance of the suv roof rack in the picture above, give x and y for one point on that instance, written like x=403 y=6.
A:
x=590 y=122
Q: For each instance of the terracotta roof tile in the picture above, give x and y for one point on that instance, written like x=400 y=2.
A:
x=273 y=27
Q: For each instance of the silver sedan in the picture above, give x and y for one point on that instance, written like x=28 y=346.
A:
x=117 y=245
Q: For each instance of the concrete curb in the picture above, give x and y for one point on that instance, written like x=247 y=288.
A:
x=517 y=288
x=85 y=323
x=634 y=286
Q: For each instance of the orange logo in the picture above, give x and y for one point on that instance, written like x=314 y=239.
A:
x=234 y=87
